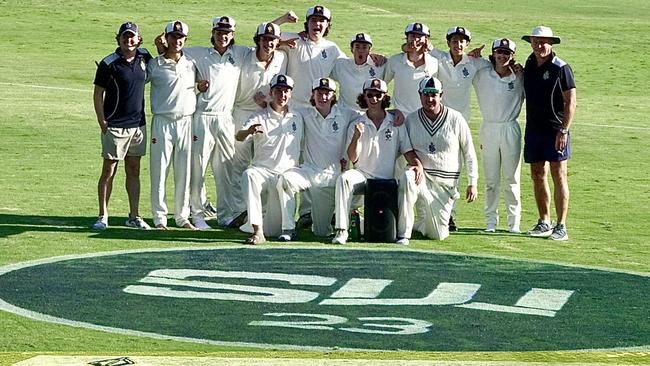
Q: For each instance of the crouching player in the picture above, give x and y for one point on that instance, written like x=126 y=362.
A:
x=373 y=145
x=442 y=140
x=326 y=125
x=277 y=133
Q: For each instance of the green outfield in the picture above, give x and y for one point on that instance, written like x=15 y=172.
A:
x=50 y=150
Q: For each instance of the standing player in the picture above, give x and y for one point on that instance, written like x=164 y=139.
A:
x=373 y=145
x=213 y=128
x=326 y=124
x=457 y=70
x=441 y=138
x=312 y=58
x=550 y=107
x=500 y=94
x=408 y=68
x=173 y=102
x=119 y=105
x=276 y=132
x=352 y=73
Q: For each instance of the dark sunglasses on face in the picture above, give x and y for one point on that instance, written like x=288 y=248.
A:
x=373 y=94
x=503 y=52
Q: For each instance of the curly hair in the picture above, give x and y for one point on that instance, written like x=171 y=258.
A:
x=361 y=101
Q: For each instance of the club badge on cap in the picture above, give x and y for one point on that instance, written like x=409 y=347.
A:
x=268 y=30
x=319 y=11
x=282 y=80
x=417 y=28
x=128 y=27
x=459 y=30
x=224 y=23
x=542 y=31
x=361 y=38
x=375 y=84
x=176 y=26
x=324 y=83
x=505 y=44
x=430 y=85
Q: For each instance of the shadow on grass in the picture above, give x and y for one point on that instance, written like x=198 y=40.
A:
x=11 y=224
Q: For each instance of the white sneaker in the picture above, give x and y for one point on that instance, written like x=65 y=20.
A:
x=138 y=223
x=491 y=228
x=200 y=224
x=402 y=241
x=101 y=223
x=341 y=236
x=515 y=230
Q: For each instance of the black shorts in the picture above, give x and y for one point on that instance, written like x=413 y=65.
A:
x=540 y=146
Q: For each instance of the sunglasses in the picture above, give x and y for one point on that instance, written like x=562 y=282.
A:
x=374 y=94
x=501 y=51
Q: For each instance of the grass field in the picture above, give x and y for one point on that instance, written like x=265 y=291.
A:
x=50 y=148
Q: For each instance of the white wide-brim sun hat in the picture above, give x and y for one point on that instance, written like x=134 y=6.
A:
x=542 y=31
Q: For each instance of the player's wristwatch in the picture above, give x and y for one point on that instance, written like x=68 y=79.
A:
x=564 y=131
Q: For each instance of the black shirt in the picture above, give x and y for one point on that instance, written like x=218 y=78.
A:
x=544 y=85
x=124 y=83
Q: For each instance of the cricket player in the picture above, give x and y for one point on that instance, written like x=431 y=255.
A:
x=550 y=106
x=373 y=145
x=352 y=73
x=500 y=93
x=173 y=101
x=442 y=140
x=213 y=128
x=314 y=57
x=458 y=70
x=326 y=125
x=259 y=66
x=406 y=69
x=277 y=132
x=118 y=99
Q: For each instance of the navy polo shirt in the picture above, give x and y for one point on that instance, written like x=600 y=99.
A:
x=124 y=83
x=544 y=85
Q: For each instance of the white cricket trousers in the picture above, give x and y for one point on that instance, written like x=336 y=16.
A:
x=501 y=156
x=347 y=184
x=170 y=145
x=262 y=201
x=321 y=187
x=214 y=145
x=436 y=198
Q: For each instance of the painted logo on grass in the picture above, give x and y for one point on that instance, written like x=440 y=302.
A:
x=352 y=299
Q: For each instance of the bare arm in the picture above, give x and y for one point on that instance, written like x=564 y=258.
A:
x=241 y=135
x=354 y=149
x=98 y=102
x=569 y=111
x=416 y=165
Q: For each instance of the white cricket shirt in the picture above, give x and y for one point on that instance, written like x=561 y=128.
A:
x=379 y=147
x=351 y=78
x=407 y=78
x=172 y=87
x=278 y=148
x=499 y=99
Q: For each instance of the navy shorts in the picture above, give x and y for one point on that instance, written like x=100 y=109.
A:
x=541 y=147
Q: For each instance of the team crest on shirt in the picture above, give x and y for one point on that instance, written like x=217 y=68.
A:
x=372 y=72
x=546 y=75
x=511 y=85
x=195 y=138
x=231 y=60
x=294 y=127
x=154 y=140
x=388 y=134
x=335 y=126
x=323 y=54
x=432 y=148
x=465 y=72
